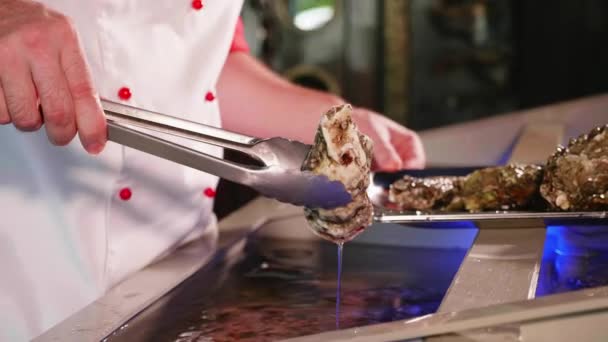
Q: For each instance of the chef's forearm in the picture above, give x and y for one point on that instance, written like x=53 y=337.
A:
x=256 y=101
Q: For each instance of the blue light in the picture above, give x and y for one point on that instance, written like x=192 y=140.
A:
x=574 y=257
x=582 y=241
x=553 y=233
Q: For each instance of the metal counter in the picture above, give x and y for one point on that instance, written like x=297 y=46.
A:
x=412 y=268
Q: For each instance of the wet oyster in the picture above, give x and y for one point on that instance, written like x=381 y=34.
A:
x=576 y=177
x=492 y=188
x=501 y=188
x=432 y=193
x=341 y=153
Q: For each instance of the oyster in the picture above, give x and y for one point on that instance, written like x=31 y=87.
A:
x=576 y=177
x=492 y=188
x=501 y=188
x=432 y=193
x=341 y=153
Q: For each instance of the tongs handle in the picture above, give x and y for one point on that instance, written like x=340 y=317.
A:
x=122 y=121
x=279 y=178
x=120 y=115
x=178 y=153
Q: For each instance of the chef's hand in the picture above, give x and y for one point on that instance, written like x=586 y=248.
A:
x=395 y=147
x=43 y=70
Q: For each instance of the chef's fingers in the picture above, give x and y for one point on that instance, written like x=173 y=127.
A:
x=409 y=148
x=4 y=117
x=385 y=158
x=55 y=99
x=20 y=95
x=90 y=119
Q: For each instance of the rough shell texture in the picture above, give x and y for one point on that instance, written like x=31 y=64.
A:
x=576 y=177
x=502 y=188
x=493 y=188
x=423 y=194
x=341 y=153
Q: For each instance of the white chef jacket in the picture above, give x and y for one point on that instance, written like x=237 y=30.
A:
x=73 y=225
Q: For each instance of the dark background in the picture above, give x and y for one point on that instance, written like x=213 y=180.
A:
x=423 y=63
x=563 y=50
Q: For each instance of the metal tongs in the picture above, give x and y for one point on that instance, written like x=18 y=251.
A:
x=280 y=177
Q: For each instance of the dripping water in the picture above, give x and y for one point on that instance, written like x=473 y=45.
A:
x=340 y=248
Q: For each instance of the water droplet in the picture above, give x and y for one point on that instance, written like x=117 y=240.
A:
x=340 y=249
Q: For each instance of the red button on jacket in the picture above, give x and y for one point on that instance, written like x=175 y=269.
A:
x=209 y=96
x=209 y=192
x=125 y=194
x=124 y=93
x=197 y=5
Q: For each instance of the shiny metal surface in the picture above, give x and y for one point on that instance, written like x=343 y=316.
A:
x=502 y=266
x=577 y=217
x=280 y=177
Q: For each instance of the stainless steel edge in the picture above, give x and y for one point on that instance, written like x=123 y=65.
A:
x=543 y=309
x=171 y=125
x=383 y=215
x=501 y=266
x=181 y=154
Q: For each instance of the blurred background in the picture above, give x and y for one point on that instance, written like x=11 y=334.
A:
x=431 y=63
x=428 y=63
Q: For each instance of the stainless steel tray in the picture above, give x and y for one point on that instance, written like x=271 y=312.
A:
x=378 y=192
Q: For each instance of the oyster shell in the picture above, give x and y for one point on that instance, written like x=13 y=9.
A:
x=341 y=153
x=493 y=188
x=576 y=177
x=431 y=193
x=501 y=188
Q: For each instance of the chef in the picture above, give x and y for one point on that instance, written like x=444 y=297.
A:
x=78 y=219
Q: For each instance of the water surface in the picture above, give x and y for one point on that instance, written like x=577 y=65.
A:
x=279 y=289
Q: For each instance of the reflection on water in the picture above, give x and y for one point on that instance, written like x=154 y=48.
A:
x=281 y=289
